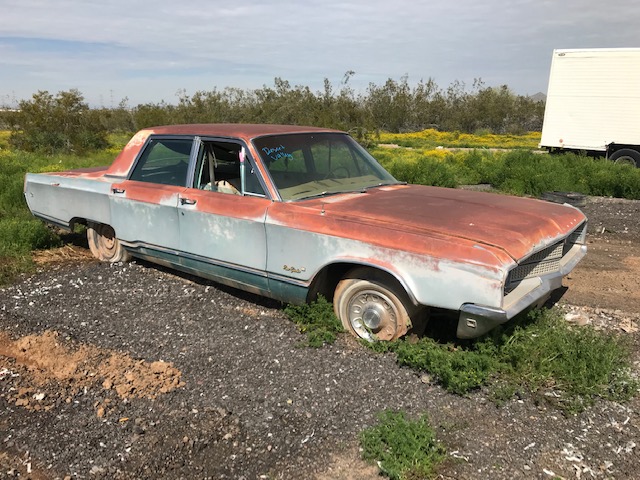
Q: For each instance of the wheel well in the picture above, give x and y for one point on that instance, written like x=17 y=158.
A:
x=83 y=221
x=615 y=147
x=326 y=281
x=77 y=221
x=612 y=147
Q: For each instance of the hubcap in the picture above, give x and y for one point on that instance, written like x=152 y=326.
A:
x=373 y=316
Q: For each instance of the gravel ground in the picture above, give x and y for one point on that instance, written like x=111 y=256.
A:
x=131 y=371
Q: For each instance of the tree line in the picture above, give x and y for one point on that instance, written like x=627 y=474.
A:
x=65 y=122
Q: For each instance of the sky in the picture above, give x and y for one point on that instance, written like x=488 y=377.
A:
x=151 y=51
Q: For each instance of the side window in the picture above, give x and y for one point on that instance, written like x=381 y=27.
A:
x=164 y=161
x=218 y=169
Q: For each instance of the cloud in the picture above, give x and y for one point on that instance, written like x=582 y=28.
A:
x=148 y=51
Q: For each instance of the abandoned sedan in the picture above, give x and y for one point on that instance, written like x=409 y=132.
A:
x=291 y=212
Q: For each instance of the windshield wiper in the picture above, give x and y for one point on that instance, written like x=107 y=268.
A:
x=383 y=184
x=327 y=193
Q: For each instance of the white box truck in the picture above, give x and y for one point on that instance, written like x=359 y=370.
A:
x=593 y=103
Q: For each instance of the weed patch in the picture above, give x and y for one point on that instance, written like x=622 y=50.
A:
x=539 y=353
x=317 y=320
x=402 y=448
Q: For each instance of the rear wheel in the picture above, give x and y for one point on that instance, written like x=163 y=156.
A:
x=626 y=155
x=370 y=307
x=104 y=245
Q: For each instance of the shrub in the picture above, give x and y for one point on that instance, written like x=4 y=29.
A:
x=63 y=123
x=316 y=320
x=402 y=448
x=535 y=352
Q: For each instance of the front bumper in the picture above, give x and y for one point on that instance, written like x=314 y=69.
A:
x=476 y=320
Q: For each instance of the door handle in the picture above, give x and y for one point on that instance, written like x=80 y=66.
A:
x=187 y=201
x=117 y=190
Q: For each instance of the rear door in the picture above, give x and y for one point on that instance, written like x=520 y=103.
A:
x=144 y=207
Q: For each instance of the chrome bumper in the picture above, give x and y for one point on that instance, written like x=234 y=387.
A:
x=476 y=320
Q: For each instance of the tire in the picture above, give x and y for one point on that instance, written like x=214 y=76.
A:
x=370 y=308
x=104 y=245
x=626 y=155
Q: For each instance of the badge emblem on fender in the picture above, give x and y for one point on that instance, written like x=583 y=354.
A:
x=294 y=269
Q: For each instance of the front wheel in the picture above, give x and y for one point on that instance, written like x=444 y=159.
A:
x=104 y=245
x=371 y=309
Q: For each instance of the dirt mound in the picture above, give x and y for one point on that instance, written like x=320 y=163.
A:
x=52 y=367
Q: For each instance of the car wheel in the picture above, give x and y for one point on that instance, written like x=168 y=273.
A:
x=626 y=155
x=104 y=245
x=370 y=308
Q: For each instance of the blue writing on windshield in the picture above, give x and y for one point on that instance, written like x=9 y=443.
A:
x=276 y=153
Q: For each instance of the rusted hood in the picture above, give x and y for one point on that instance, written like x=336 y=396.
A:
x=515 y=225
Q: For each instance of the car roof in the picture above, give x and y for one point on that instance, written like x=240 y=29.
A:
x=246 y=131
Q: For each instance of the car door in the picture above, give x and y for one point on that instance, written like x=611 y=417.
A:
x=144 y=207
x=221 y=217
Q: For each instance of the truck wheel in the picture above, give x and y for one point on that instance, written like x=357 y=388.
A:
x=371 y=309
x=626 y=155
x=104 y=245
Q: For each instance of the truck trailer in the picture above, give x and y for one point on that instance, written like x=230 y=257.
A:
x=593 y=103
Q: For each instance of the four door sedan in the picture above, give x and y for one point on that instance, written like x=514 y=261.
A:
x=291 y=212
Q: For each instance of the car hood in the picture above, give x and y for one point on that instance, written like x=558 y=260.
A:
x=518 y=226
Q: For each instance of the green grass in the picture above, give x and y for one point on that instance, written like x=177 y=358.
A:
x=402 y=448
x=538 y=353
x=517 y=172
x=316 y=320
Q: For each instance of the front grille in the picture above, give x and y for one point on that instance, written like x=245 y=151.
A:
x=543 y=262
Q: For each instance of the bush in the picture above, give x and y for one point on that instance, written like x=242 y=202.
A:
x=316 y=320
x=535 y=352
x=516 y=172
x=63 y=123
x=416 y=167
x=402 y=448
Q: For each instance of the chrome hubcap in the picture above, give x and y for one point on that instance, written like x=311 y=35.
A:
x=373 y=316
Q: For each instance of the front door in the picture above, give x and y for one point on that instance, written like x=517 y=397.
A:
x=222 y=217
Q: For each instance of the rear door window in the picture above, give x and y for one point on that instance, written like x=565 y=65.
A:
x=164 y=161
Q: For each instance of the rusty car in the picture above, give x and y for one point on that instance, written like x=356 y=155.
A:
x=292 y=212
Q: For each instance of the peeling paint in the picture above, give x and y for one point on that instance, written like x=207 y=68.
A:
x=446 y=247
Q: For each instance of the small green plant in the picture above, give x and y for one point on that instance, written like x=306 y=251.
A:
x=579 y=364
x=537 y=352
x=316 y=320
x=403 y=448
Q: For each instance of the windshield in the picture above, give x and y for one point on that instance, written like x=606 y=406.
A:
x=311 y=164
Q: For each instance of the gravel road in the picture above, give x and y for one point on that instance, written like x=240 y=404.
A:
x=132 y=371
